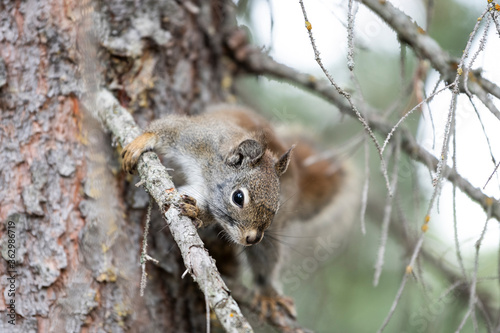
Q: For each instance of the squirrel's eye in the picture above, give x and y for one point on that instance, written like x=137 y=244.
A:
x=238 y=198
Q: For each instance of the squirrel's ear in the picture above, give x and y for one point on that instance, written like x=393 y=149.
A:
x=283 y=162
x=247 y=151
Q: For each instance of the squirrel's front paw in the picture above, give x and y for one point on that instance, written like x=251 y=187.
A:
x=188 y=208
x=275 y=306
x=133 y=150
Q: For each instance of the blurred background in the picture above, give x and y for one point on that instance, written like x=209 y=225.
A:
x=338 y=294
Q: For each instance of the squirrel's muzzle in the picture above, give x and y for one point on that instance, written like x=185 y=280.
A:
x=253 y=237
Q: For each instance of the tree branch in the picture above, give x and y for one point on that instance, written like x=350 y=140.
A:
x=159 y=185
x=450 y=273
x=256 y=62
x=426 y=47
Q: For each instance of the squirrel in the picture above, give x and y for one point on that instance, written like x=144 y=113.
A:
x=237 y=172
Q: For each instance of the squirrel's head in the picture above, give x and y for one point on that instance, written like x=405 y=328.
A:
x=250 y=194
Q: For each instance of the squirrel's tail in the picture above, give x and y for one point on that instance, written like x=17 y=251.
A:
x=328 y=199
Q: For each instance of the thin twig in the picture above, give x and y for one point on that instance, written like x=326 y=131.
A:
x=489 y=178
x=387 y=216
x=451 y=113
x=464 y=320
x=431 y=116
x=484 y=130
x=474 y=320
x=429 y=254
x=408 y=272
x=455 y=231
x=485 y=314
x=497 y=25
x=482 y=44
x=364 y=197
x=451 y=288
x=428 y=99
x=144 y=255
x=495 y=164
x=346 y=96
x=350 y=36
x=455 y=224
x=444 y=150
x=473 y=292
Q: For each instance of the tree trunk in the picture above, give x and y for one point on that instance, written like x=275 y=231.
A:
x=73 y=217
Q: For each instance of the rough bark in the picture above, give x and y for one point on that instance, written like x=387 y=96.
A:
x=77 y=221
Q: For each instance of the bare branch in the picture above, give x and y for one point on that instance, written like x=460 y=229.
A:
x=426 y=47
x=451 y=117
x=428 y=99
x=473 y=291
x=456 y=280
x=159 y=185
x=364 y=197
x=458 y=252
x=464 y=320
x=144 y=254
x=256 y=62
x=350 y=36
x=494 y=15
x=489 y=178
x=387 y=215
x=408 y=272
x=484 y=131
x=347 y=97
x=431 y=117
x=482 y=44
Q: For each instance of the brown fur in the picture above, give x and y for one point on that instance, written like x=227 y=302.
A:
x=219 y=155
x=318 y=182
x=229 y=148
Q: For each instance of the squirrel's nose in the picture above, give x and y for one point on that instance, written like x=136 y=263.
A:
x=253 y=237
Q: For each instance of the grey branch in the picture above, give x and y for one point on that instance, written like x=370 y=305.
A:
x=427 y=48
x=159 y=185
x=256 y=62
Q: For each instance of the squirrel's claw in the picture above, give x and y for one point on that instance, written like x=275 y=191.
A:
x=130 y=156
x=188 y=208
x=288 y=304
x=134 y=150
x=276 y=307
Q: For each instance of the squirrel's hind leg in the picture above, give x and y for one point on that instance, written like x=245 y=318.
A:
x=264 y=262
